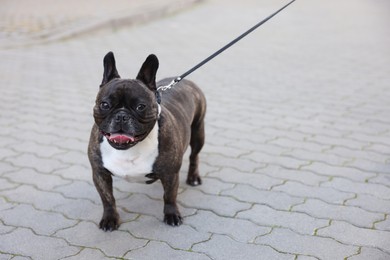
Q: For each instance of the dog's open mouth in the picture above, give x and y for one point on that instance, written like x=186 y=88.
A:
x=121 y=139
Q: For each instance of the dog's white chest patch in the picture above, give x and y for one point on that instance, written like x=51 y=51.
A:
x=134 y=163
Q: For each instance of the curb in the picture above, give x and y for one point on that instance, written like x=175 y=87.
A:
x=113 y=22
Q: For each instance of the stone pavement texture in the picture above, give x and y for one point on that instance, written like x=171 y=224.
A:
x=297 y=158
x=26 y=22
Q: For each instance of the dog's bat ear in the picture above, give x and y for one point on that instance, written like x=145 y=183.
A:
x=110 y=71
x=147 y=73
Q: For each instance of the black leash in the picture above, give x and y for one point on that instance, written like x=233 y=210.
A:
x=185 y=74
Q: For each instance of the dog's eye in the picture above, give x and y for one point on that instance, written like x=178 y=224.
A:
x=104 y=106
x=141 y=107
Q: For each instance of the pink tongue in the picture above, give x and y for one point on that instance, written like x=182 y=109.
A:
x=121 y=139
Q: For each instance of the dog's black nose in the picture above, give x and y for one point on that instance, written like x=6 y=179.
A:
x=122 y=117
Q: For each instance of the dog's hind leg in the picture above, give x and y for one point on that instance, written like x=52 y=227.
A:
x=196 y=142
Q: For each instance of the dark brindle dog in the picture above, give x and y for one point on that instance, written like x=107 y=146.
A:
x=137 y=136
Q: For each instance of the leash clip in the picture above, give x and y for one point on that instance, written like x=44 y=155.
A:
x=170 y=85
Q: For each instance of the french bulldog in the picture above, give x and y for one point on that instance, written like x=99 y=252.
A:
x=142 y=132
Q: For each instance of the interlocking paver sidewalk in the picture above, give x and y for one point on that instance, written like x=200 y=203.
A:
x=297 y=157
x=25 y=22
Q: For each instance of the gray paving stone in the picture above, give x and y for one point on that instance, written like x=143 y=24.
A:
x=327 y=140
x=86 y=210
x=73 y=156
x=6 y=153
x=75 y=172
x=371 y=203
x=142 y=204
x=370 y=166
x=228 y=152
x=13 y=257
x=242 y=164
x=149 y=228
x=284 y=133
x=6 y=167
x=381 y=178
x=257 y=180
x=374 y=127
x=159 y=250
x=383 y=225
x=210 y=185
x=80 y=189
x=217 y=138
x=41 y=200
x=302 y=176
x=265 y=147
x=381 y=139
x=46 y=139
x=77 y=133
x=230 y=133
x=7 y=185
x=41 y=222
x=377 y=190
x=338 y=171
x=223 y=247
x=73 y=148
x=248 y=145
x=116 y=243
x=31 y=177
x=290 y=242
x=349 y=234
x=5 y=205
x=88 y=254
x=277 y=200
x=299 y=222
x=46 y=151
x=204 y=168
x=304 y=257
x=317 y=157
x=221 y=205
x=370 y=253
x=25 y=243
x=5 y=229
x=154 y=191
x=353 y=215
x=284 y=161
x=290 y=144
x=238 y=229
x=377 y=148
x=323 y=193
x=43 y=165
x=20 y=258
x=33 y=123
x=349 y=153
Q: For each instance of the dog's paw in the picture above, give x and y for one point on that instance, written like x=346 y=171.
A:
x=173 y=219
x=109 y=223
x=194 y=181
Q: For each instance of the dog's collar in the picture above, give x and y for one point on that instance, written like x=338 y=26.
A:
x=158 y=97
x=159 y=110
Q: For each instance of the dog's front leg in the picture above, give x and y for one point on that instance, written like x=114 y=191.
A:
x=171 y=212
x=103 y=183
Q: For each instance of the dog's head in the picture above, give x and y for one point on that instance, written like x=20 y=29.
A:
x=126 y=110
